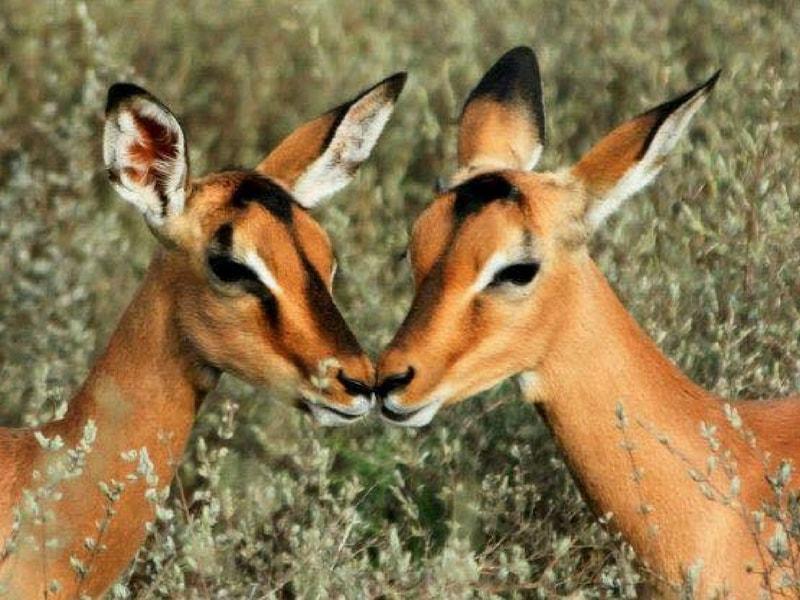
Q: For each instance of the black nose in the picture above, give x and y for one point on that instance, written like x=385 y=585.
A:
x=354 y=387
x=394 y=382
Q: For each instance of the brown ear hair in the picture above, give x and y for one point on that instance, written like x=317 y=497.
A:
x=502 y=123
x=629 y=158
x=321 y=156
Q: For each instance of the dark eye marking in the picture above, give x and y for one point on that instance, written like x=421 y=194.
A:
x=324 y=309
x=228 y=270
x=223 y=265
x=223 y=238
x=517 y=274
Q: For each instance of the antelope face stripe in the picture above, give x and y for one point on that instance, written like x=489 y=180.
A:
x=248 y=270
x=470 y=198
x=329 y=319
x=250 y=274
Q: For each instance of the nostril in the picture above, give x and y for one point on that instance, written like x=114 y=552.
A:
x=394 y=382
x=354 y=387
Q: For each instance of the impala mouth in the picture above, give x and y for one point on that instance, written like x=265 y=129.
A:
x=329 y=415
x=402 y=416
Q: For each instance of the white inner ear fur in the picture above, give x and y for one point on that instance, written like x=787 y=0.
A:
x=259 y=267
x=644 y=171
x=334 y=268
x=533 y=159
x=351 y=145
x=120 y=133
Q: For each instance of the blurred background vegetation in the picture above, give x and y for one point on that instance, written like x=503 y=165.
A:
x=479 y=503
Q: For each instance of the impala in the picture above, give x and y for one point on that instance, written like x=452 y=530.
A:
x=241 y=282
x=505 y=287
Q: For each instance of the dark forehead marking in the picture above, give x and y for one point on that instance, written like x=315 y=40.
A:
x=254 y=187
x=475 y=193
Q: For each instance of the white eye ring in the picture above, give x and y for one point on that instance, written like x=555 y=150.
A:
x=253 y=260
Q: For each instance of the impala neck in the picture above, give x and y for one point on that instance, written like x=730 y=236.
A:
x=145 y=388
x=141 y=394
x=601 y=359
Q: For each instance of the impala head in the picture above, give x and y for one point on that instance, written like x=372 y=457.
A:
x=248 y=269
x=497 y=257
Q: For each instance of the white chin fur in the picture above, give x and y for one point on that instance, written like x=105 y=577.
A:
x=330 y=417
x=419 y=416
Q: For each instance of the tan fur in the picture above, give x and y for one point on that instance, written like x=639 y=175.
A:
x=288 y=161
x=580 y=355
x=143 y=392
x=588 y=355
x=614 y=155
x=492 y=134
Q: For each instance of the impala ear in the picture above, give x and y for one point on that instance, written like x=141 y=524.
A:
x=502 y=123
x=629 y=158
x=320 y=157
x=144 y=150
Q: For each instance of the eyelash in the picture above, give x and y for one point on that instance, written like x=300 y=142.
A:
x=518 y=274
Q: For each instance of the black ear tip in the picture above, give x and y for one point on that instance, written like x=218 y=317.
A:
x=395 y=83
x=521 y=57
x=517 y=67
x=119 y=92
x=709 y=85
x=520 y=53
x=389 y=88
x=514 y=78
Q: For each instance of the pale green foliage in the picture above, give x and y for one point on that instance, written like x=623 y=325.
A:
x=480 y=503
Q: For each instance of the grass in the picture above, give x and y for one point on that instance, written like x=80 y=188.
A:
x=480 y=503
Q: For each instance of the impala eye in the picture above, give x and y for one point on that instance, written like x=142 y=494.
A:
x=228 y=270
x=517 y=274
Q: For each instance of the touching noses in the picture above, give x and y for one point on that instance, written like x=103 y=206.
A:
x=355 y=376
x=389 y=382
x=394 y=382
x=387 y=388
x=354 y=387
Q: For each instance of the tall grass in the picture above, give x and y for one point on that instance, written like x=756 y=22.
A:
x=480 y=503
